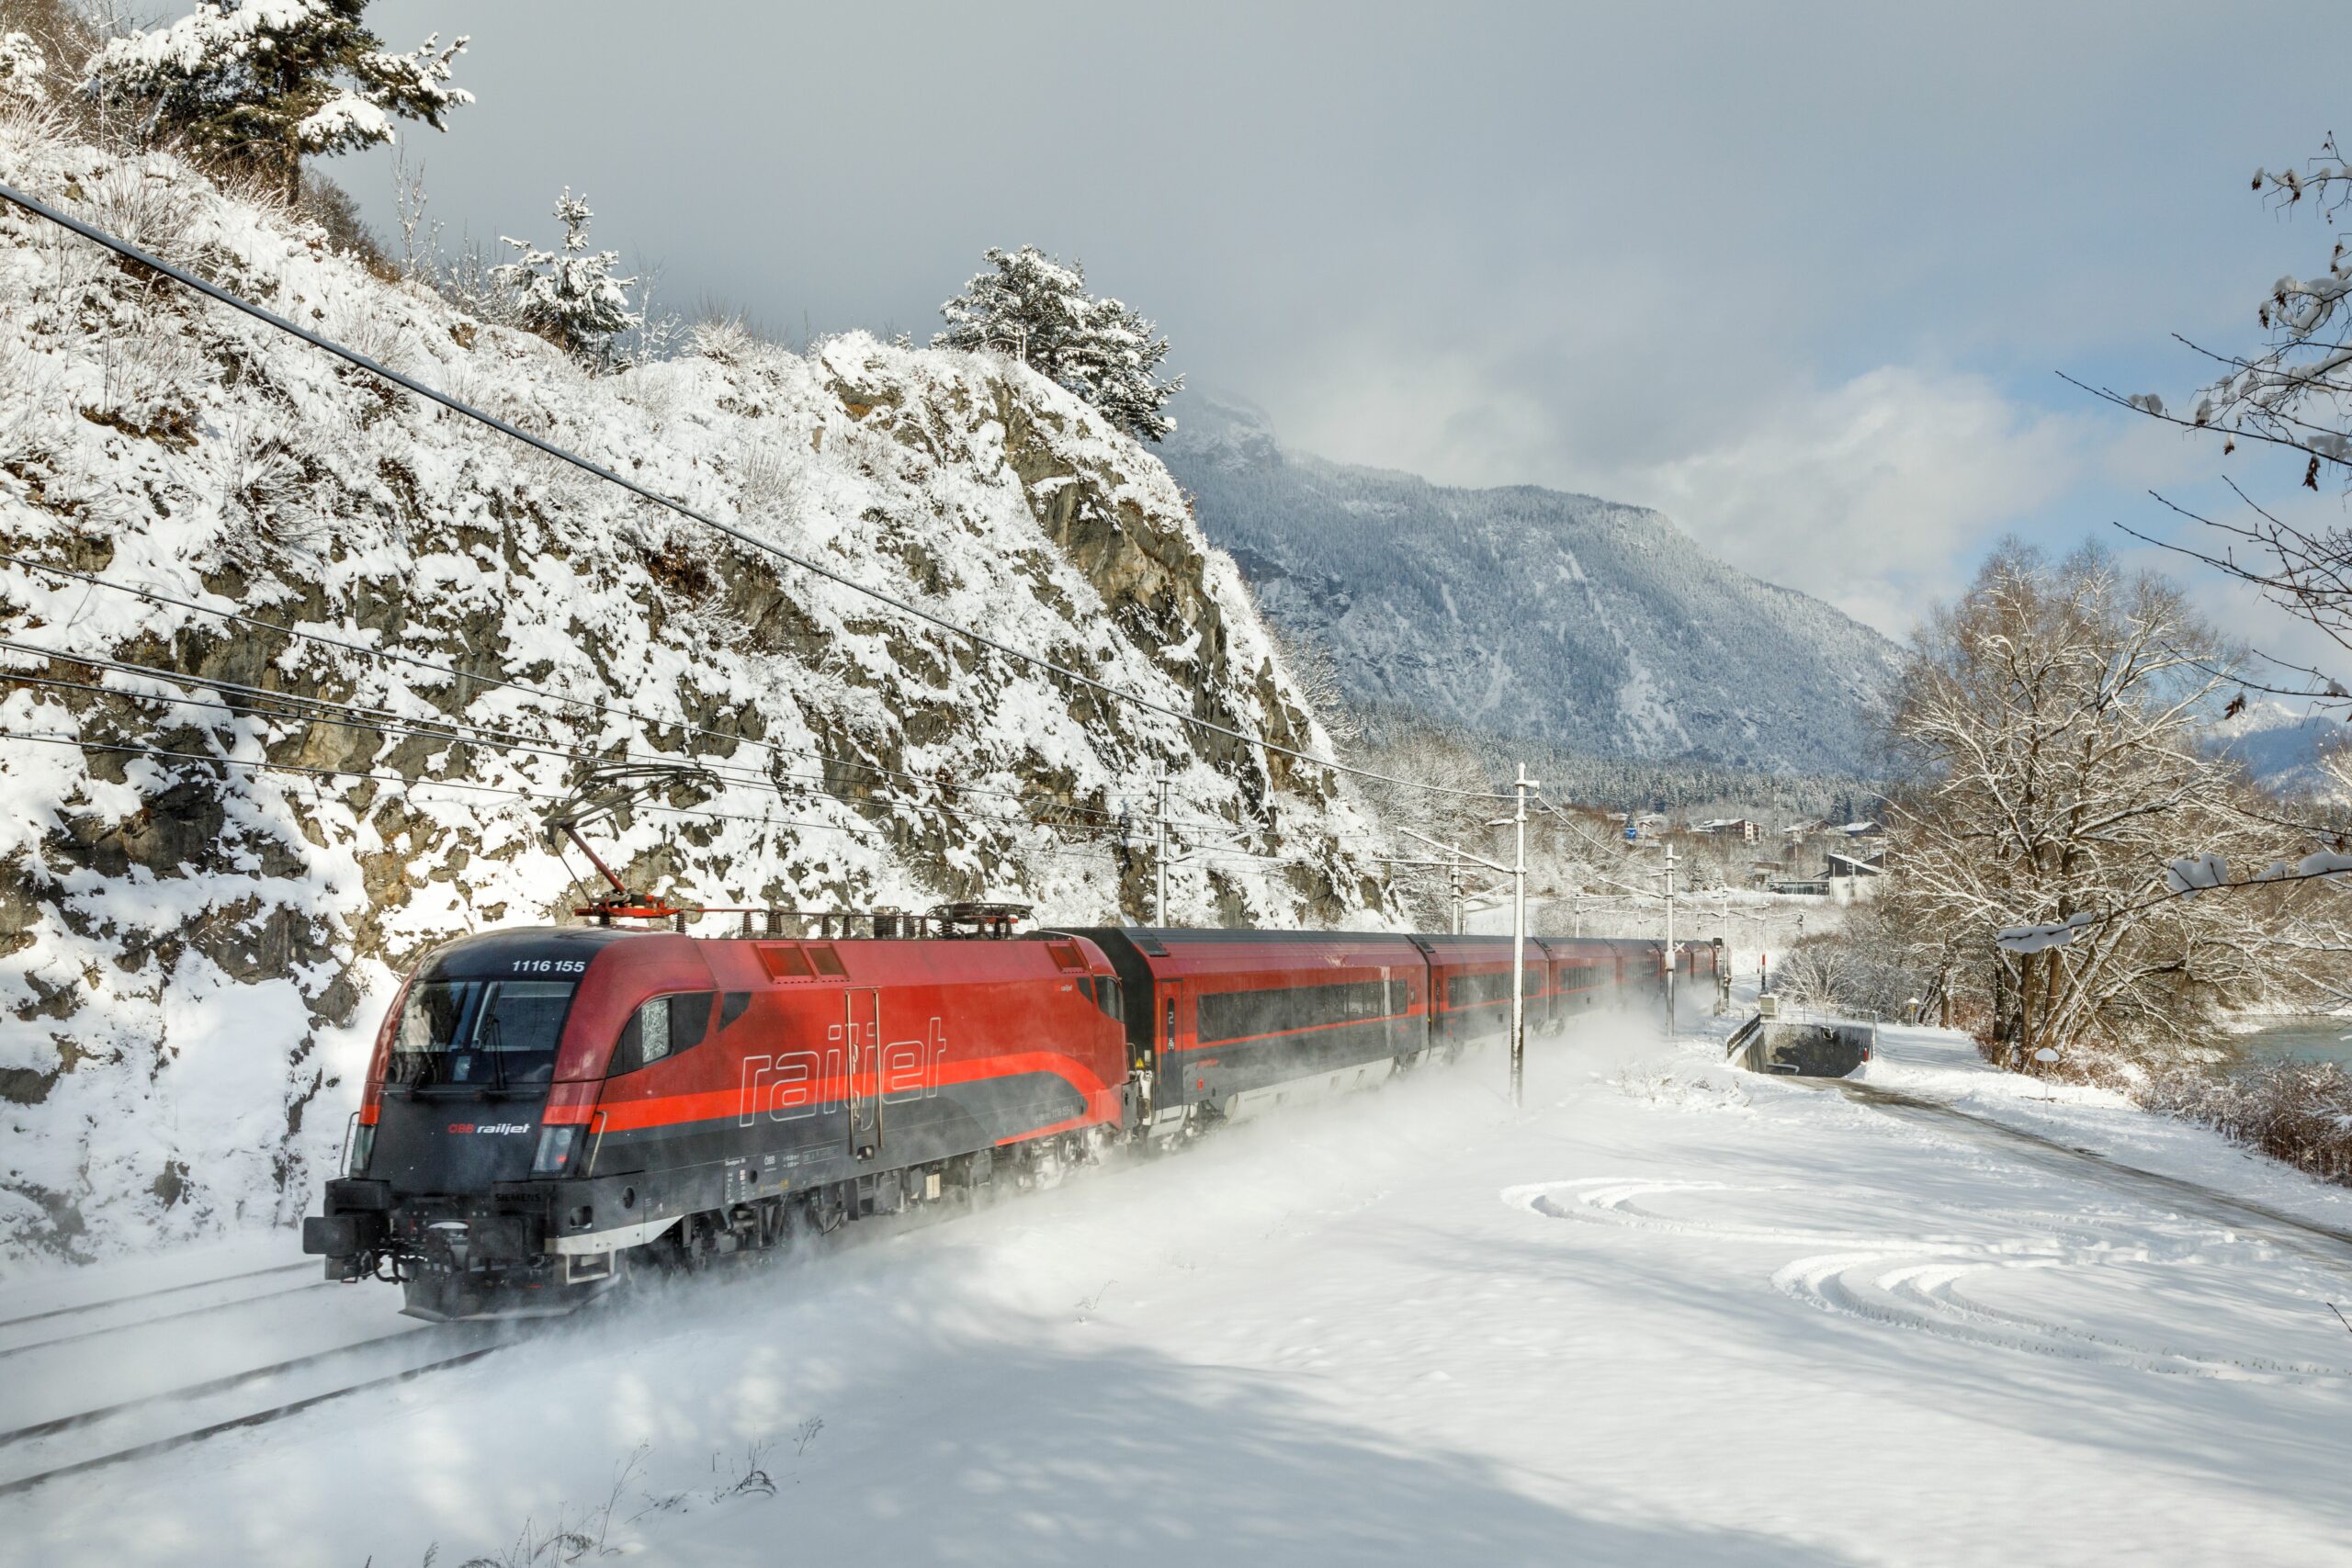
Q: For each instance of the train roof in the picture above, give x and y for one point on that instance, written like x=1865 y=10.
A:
x=496 y=954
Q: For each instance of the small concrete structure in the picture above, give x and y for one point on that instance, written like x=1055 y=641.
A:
x=1803 y=1045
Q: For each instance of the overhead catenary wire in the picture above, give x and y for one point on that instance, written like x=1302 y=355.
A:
x=386 y=723
x=721 y=773
x=451 y=672
x=980 y=639
x=405 y=784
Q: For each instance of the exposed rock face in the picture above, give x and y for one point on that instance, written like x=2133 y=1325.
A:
x=193 y=953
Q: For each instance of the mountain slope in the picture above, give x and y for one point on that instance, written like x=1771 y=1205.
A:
x=2284 y=750
x=1530 y=612
x=194 y=950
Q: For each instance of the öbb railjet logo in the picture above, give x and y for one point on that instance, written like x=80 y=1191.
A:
x=489 y=1127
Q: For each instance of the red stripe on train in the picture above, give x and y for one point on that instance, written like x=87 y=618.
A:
x=732 y=1104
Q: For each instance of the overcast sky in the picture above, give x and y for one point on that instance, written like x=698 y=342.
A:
x=1800 y=275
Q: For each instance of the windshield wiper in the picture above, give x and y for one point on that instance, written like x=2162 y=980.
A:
x=496 y=1045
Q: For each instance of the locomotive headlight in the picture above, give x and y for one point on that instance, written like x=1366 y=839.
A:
x=363 y=1144
x=557 y=1146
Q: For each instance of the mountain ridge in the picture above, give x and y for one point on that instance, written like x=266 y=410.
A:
x=1664 y=653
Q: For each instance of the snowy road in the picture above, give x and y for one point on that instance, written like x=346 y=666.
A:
x=1669 y=1313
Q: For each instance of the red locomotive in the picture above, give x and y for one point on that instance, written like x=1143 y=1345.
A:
x=546 y=1104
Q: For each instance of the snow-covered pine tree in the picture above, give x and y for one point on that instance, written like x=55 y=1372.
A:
x=21 y=68
x=264 y=82
x=1030 y=305
x=1116 y=359
x=569 y=296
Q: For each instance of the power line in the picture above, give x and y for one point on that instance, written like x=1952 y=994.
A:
x=722 y=773
x=405 y=784
x=385 y=724
x=211 y=290
x=453 y=672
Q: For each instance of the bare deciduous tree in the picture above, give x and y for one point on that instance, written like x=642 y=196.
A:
x=1315 y=676
x=2290 y=392
x=2049 y=722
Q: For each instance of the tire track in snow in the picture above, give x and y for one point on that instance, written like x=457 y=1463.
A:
x=1918 y=1282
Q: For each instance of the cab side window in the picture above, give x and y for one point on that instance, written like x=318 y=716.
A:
x=659 y=1029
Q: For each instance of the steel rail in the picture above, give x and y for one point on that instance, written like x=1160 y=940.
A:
x=257 y=1418
x=307 y=1268
x=133 y=1328
x=193 y=1391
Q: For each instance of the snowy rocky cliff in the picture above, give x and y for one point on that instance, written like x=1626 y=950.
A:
x=193 y=954
x=1597 y=628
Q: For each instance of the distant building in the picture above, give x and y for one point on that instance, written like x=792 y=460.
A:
x=1738 y=827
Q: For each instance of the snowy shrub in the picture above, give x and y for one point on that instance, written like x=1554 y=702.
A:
x=2296 y=1111
x=1707 y=1088
x=262 y=84
x=1858 y=970
x=21 y=70
x=1317 y=674
x=338 y=216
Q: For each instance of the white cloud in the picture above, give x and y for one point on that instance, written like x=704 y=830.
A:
x=1876 y=494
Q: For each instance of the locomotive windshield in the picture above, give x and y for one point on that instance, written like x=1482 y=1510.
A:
x=478 y=1034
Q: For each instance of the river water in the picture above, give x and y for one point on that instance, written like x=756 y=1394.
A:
x=2299 y=1040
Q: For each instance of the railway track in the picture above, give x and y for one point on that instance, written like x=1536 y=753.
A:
x=95 y=1382
x=47 y=1466
x=143 y=1425
x=134 y=1324
x=305 y=1267
x=39 y=1446
x=90 y=1432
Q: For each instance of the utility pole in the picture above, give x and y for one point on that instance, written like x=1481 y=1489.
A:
x=1723 y=959
x=1517 y=871
x=1159 y=862
x=1520 y=787
x=1670 y=937
x=1453 y=889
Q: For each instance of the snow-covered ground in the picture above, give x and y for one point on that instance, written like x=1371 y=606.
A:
x=1669 y=1313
